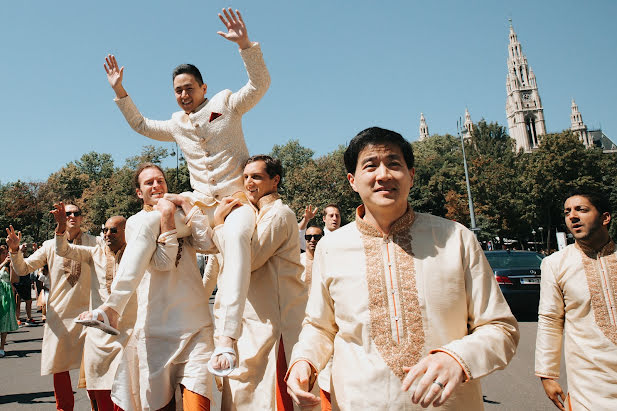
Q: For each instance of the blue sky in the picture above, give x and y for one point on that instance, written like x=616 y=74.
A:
x=337 y=67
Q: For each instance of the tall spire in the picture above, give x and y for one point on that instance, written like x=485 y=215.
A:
x=578 y=127
x=423 y=128
x=523 y=105
x=468 y=125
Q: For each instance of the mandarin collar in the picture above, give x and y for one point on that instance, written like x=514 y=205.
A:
x=402 y=224
x=267 y=199
x=607 y=249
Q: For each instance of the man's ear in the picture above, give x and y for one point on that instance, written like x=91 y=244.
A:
x=204 y=87
x=139 y=193
x=352 y=180
x=606 y=219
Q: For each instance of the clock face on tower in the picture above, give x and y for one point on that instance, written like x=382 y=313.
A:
x=526 y=96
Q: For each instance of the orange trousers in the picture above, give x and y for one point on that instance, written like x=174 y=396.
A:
x=326 y=405
x=283 y=399
x=191 y=401
x=63 y=391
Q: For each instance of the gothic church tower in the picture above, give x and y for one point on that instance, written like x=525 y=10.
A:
x=423 y=128
x=523 y=105
x=578 y=127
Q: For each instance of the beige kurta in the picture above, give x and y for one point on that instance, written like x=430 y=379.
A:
x=211 y=139
x=578 y=298
x=69 y=296
x=173 y=336
x=379 y=303
x=102 y=351
x=275 y=307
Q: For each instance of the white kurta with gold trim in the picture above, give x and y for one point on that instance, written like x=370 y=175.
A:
x=173 y=336
x=69 y=296
x=578 y=297
x=275 y=307
x=102 y=351
x=379 y=303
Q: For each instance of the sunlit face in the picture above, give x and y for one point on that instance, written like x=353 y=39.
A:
x=152 y=186
x=257 y=182
x=583 y=220
x=189 y=94
x=73 y=216
x=113 y=233
x=3 y=253
x=332 y=218
x=382 y=178
x=312 y=237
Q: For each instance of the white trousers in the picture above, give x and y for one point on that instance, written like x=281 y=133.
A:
x=233 y=282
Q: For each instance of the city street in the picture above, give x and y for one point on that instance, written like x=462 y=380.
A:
x=23 y=388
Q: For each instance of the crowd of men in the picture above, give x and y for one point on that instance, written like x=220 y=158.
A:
x=394 y=310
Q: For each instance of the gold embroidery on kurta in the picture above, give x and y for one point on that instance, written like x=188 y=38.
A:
x=71 y=267
x=308 y=272
x=408 y=351
x=599 y=301
x=110 y=267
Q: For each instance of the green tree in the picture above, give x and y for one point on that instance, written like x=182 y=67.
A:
x=149 y=154
x=96 y=166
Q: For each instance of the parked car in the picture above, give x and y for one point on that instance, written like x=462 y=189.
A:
x=518 y=275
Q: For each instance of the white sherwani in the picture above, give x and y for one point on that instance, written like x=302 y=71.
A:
x=69 y=296
x=102 y=351
x=275 y=307
x=379 y=303
x=173 y=336
x=578 y=298
x=213 y=144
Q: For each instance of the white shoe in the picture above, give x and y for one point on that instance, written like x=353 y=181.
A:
x=228 y=353
x=101 y=325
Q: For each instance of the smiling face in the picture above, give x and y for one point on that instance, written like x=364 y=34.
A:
x=152 y=185
x=382 y=179
x=73 y=217
x=189 y=94
x=584 y=220
x=257 y=182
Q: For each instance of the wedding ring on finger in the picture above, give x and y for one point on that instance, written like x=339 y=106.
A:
x=438 y=383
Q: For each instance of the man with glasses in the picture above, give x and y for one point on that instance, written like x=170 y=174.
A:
x=101 y=350
x=69 y=295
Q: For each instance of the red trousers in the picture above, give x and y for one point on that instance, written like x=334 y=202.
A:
x=63 y=391
x=283 y=399
x=102 y=399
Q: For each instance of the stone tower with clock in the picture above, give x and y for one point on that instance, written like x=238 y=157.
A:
x=523 y=105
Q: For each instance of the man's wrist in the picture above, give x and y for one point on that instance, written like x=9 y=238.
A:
x=245 y=44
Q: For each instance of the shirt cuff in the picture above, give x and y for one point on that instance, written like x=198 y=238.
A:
x=167 y=236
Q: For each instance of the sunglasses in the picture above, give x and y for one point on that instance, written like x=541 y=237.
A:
x=309 y=237
x=112 y=230
x=73 y=213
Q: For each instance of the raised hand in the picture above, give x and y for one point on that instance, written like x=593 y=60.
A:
x=236 y=29
x=60 y=216
x=13 y=239
x=114 y=75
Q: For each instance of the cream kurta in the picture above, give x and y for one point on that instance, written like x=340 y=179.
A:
x=381 y=303
x=101 y=350
x=69 y=296
x=173 y=336
x=211 y=138
x=577 y=298
x=275 y=307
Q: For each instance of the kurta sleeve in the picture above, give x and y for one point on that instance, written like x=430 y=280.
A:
x=493 y=331
x=316 y=341
x=259 y=80
x=551 y=315
x=81 y=253
x=154 y=129
x=164 y=257
x=201 y=233
x=25 y=266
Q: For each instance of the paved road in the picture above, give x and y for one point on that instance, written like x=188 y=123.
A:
x=22 y=387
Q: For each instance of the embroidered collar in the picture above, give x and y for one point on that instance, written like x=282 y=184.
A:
x=148 y=207
x=199 y=107
x=607 y=249
x=402 y=224
x=267 y=199
x=76 y=240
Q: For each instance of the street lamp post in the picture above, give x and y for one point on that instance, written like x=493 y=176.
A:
x=535 y=240
x=541 y=236
x=472 y=214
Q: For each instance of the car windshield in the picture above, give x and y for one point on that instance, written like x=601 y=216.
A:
x=514 y=260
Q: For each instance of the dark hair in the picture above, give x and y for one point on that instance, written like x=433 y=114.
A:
x=323 y=212
x=141 y=168
x=188 y=69
x=597 y=198
x=372 y=136
x=314 y=225
x=273 y=165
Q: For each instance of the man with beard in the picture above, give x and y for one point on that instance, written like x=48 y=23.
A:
x=101 y=350
x=69 y=295
x=578 y=292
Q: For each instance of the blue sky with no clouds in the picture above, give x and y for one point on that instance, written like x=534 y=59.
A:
x=337 y=67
